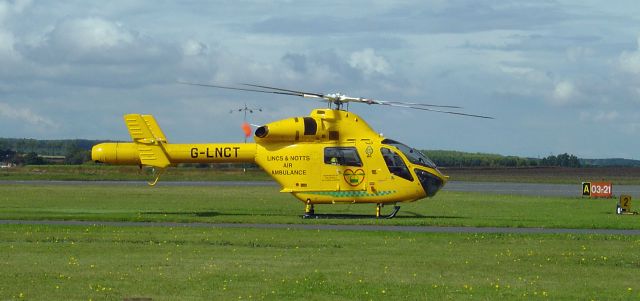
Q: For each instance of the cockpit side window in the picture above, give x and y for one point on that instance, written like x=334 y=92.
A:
x=395 y=164
x=347 y=156
x=413 y=155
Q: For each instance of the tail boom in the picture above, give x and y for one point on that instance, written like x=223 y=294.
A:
x=151 y=148
x=123 y=153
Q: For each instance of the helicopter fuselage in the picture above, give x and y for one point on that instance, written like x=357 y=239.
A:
x=333 y=156
x=330 y=156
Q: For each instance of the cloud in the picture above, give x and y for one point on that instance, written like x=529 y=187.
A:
x=199 y=61
x=607 y=116
x=8 y=9
x=11 y=8
x=296 y=61
x=26 y=115
x=90 y=34
x=409 y=18
x=7 y=50
x=87 y=64
x=600 y=116
x=321 y=68
x=95 y=51
x=194 y=48
x=93 y=40
x=563 y=93
x=631 y=128
x=630 y=60
x=369 y=63
x=577 y=53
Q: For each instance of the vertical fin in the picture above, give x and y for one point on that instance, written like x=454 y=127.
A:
x=154 y=128
x=138 y=128
x=149 y=138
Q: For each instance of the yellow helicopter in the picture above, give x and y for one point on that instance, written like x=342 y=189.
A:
x=331 y=156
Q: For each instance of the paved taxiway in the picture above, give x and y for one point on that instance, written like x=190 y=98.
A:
x=533 y=188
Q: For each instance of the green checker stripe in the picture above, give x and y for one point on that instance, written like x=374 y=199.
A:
x=350 y=194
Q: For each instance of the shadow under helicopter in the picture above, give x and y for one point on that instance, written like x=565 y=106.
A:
x=365 y=216
x=405 y=215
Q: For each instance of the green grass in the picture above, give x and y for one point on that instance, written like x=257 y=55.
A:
x=113 y=263
x=94 y=172
x=231 y=204
x=98 y=172
x=49 y=262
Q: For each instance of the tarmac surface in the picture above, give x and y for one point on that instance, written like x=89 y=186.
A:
x=532 y=188
x=488 y=187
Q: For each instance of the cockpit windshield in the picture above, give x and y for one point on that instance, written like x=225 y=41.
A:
x=415 y=156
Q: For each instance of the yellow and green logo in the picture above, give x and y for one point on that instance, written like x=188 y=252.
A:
x=354 y=177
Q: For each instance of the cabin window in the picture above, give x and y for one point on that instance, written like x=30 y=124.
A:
x=347 y=156
x=395 y=164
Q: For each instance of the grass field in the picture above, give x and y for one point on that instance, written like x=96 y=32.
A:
x=107 y=263
x=93 y=172
x=224 y=204
x=39 y=262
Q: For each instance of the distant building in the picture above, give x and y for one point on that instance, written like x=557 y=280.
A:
x=54 y=159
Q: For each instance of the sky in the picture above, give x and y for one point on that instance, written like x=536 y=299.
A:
x=557 y=76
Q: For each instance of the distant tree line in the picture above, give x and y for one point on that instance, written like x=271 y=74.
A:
x=13 y=157
x=46 y=147
x=463 y=159
x=40 y=152
x=564 y=160
x=78 y=151
x=619 y=162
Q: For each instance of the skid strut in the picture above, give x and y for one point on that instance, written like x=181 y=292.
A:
x=309 y=211
x=379 y=211
x=155 y=174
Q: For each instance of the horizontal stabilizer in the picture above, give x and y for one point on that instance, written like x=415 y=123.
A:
x=153 y=155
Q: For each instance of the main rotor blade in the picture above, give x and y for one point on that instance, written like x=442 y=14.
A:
x=340 y=99
x=239 y=89
x=300 y=93
x=421 y=104
x=440 y=111
x=384 y=102
x=416 y=106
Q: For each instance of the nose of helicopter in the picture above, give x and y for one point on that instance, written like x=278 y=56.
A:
x=431 y=182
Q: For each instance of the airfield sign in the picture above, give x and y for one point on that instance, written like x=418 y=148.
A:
x=625 y=203
x=597 y=189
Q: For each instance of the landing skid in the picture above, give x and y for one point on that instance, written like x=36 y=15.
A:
x=393 y=213
x=310 y=214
